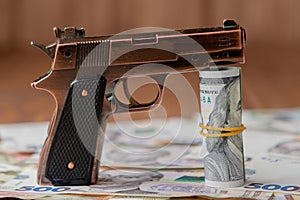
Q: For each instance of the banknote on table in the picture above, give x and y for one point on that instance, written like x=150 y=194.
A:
x=22 y=137
x=257 y=142
x=277 y=121
x=280 y=196
x=151 y=157
x=141 y=144
x=220 y=100
x=158 y=131
x=8 y=168
x=111 y=182
x=102 y=197
x=274 y=173
x=181 y=131
x=201 y=189
x=9 y=194
x=134 y=183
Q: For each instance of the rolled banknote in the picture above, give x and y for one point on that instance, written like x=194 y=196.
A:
x=222 y=150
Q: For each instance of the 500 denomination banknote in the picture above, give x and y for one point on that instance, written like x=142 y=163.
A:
x=275 y=173
x=201 y=189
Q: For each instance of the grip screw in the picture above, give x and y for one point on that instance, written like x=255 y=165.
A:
x=71 y=165
x=84 y=93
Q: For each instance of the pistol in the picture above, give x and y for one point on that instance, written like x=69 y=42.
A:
x=85 y=71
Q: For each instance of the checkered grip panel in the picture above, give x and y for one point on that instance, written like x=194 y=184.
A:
x=71 y=156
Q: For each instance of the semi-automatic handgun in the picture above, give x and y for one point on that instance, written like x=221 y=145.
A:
x=86 y=70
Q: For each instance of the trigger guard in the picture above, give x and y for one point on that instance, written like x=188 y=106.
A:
x=133 y=105
x=122 y=107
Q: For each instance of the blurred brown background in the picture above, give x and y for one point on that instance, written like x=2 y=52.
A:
x=270 y=75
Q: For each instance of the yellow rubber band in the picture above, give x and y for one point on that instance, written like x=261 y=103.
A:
x=225 y=132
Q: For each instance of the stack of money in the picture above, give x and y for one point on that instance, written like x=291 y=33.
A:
x=220 y=100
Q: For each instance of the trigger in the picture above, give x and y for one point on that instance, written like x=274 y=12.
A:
x=132 y=100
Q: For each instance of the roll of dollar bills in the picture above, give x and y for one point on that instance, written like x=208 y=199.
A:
x=220 y=101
